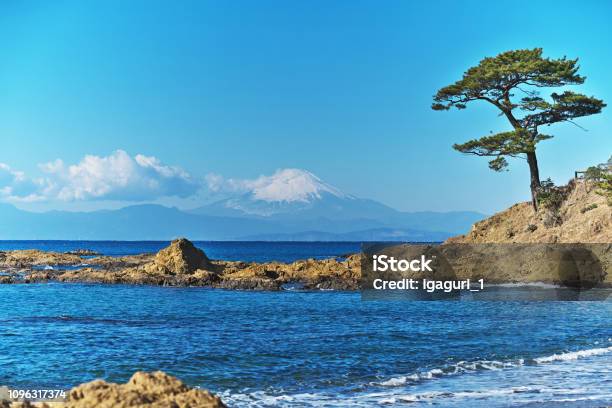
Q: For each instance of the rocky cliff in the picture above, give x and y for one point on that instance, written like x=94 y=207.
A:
x=582 y=217
x=568 y=244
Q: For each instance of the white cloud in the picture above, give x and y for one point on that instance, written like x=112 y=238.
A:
x=122 y=177
x=117 y=176
x=15 y=186
x=216 y=182
x=287 y=185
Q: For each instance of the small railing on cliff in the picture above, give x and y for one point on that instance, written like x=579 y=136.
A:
x=579 y=174
x=605 y=167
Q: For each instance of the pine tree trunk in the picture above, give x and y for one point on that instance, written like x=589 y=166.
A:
x=534 y=171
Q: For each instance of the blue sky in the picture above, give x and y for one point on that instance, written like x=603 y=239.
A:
x=241 y=89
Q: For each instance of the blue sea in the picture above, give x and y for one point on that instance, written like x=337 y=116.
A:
x=247 y=251
x=301 y=348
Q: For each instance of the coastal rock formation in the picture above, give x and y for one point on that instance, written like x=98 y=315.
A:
x=312 y=274
x=30 y=257
x=155 y=389
x=327 y=273
x=582 y=266
x=111 y=262
x=583 y=217
x=575 y=249
x=182 y=264
x=181 y=257
x=143 y=390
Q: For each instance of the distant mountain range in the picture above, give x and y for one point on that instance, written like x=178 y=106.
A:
x=290 y=205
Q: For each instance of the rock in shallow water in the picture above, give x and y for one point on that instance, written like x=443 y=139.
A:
x=182 y=257
x=182 y=264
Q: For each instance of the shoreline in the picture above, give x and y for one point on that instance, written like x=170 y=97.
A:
x=181 y=264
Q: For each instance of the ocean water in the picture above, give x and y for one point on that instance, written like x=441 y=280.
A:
x=248 y=251
x=310 y=349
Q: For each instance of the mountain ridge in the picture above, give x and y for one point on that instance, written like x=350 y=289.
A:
x=157 y=222
x=288 y=205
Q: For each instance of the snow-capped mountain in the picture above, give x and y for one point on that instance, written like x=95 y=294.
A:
x=303 y=200
x=291 y=204
x=291 y=192
x=291 y=185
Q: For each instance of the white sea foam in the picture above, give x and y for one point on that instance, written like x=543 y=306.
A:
x=573 y=355
x=585 y=398
x=396 y=387
x=458 y=368
x=533 y=394
x=468 y=367
x=395 y=381
x=542 y=285
x=431 y=395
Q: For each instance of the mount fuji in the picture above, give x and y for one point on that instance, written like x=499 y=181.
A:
x=290 y=205
x=292 y=193
x=305 y=203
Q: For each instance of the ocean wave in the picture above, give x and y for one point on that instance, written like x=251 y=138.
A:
x=430 y=396
x=397 y=381
x=458 y=368
x=368 y=399
x=486 y=365
x=263 y=399
x=434 y=395
x=542 y=285
x=393 y=390
x=573 y=355
x=599 y=397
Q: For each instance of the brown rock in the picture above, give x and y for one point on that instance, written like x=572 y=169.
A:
x=530 y=258
x=154 y=390
x=143 y=390
x=567 y=225
x=6 y=279
x=182 y=264
x=181 y=257
x=30 y=257
x=38 y=276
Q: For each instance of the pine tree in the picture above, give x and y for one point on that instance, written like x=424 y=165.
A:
x=496 y=80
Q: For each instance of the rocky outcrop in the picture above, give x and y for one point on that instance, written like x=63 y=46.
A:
x=143 y=390
x=581 y=266
x=181 y=258
x=568 y=245
x=182 y=264
x=35 y=257
x=583 y=217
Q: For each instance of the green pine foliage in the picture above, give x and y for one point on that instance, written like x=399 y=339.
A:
x=601 y=177
x=498 y=80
